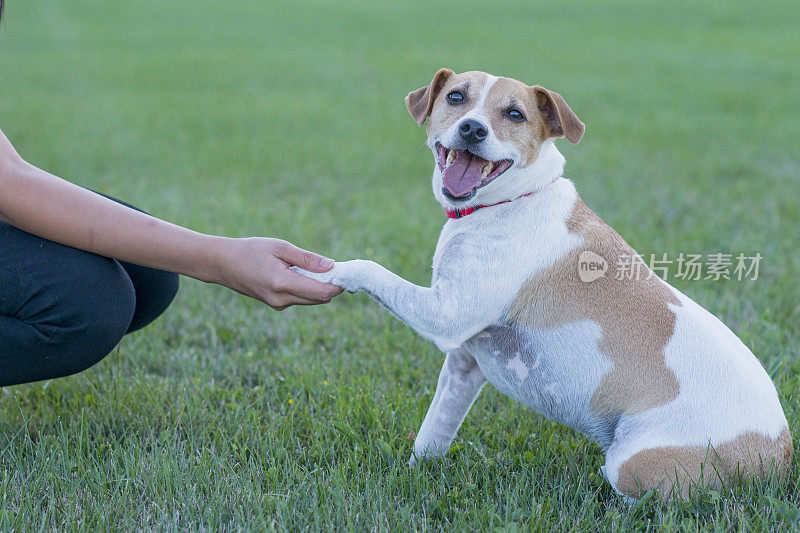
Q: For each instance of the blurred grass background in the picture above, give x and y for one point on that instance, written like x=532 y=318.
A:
x=287 y=119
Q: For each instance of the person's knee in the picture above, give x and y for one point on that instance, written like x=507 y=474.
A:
x=155 y=291
x=93 y=318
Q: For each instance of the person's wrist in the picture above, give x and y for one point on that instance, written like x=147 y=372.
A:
x=214 y=259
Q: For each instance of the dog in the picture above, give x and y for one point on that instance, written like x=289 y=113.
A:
x=672 y=396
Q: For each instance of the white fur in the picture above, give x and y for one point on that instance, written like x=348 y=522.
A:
x=480 y=264
x=539 y=369
x=460 y=381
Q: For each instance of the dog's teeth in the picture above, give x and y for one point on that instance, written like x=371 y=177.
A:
x=487 y=168
x=451 y=155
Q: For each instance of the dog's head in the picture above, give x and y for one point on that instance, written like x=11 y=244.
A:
x=491 y=136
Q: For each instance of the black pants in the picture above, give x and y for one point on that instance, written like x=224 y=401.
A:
x=62 y=310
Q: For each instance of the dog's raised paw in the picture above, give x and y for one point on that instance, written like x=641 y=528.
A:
x=348 y=275
x=324 y=277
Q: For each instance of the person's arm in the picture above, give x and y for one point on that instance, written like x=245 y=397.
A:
x=45 y=205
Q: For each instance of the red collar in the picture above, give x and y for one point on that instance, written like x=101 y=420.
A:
x=459 y=213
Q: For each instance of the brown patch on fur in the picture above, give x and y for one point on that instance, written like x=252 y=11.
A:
x=633 y=314
x=420 y=102
x=528 y=136
x=558 y=115
x=674 y=470
x=443 y=114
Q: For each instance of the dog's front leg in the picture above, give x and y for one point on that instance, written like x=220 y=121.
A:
x=447 y=314
x=460 y=381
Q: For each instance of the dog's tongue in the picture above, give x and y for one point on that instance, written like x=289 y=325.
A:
x=463 y=174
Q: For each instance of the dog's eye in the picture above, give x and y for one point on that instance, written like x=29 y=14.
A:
x=455 y=97
x=515 y=114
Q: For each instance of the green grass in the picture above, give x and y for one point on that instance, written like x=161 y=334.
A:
x=248 y=118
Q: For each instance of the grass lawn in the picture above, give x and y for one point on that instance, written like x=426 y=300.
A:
x=287 y=119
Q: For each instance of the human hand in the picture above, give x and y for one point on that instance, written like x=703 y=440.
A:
x=261 y=268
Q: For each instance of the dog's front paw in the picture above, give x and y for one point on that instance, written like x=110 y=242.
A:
x=347 y=274
x=422 y=454
x=324 y=277
x=416 y=460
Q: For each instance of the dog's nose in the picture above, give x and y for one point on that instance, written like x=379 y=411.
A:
x=472 y=131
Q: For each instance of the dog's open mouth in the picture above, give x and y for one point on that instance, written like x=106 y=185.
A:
x=463 y=172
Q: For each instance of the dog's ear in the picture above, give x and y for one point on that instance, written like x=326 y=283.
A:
x=558 y=117
x=420 y=102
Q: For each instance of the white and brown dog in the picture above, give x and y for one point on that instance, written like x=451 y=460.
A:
x=669 y=392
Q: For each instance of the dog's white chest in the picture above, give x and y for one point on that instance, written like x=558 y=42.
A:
x=554 y=372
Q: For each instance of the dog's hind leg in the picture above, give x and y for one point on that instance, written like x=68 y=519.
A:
x=460 y=381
